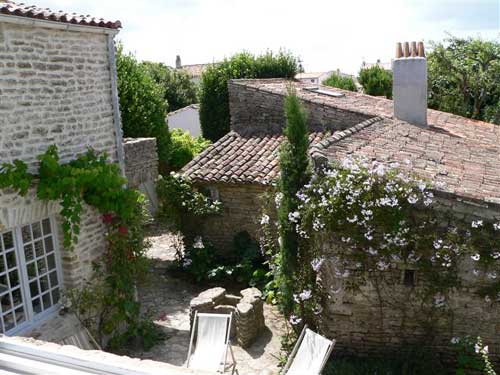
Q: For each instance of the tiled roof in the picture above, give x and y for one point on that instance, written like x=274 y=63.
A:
x=30 y=11
x=190 y=106
x=238 y=159
x=467 y=165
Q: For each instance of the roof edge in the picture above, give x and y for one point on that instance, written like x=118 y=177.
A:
x=317 y=151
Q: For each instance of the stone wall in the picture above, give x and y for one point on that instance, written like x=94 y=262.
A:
x=141 y=167
x=55 y=88
x=241 y=205
x=141 y=160
x=255 y=111
x=363 y=326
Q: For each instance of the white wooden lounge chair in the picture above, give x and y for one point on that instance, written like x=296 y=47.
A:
x=310 y=354
x=211 y=343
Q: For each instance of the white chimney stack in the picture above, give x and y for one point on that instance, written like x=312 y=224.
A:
x=409 y=88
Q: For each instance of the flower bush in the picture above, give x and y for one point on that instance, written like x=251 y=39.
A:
x=383 y=220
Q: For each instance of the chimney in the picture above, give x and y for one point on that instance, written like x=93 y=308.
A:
x=178 y=63
x=409 y=88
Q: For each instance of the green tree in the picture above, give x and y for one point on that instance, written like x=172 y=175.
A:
x=464 y=76
x=376 y=81
x=295 y=172
x=185 y=147
x=214 y=96
x=142 y=105
x=341 y=82
x=179 y=91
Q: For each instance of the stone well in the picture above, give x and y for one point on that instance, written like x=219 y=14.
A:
x=247 y=309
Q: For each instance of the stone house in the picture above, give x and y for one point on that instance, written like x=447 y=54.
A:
x=58 y=86
x=187 y=119
x=458 y=156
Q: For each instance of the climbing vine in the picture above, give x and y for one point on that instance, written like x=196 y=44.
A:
x=92 y=180
x=381 y=221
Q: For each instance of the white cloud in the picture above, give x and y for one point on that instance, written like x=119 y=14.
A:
x=326 y=34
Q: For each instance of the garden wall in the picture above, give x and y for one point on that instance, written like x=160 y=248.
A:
x=241 y=210
x=363 y=326
x=141 y=167
x=256 y=111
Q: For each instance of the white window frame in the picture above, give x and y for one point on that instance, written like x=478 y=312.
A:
x=32 y=318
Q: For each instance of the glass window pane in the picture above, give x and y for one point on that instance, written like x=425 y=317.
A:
x=11 y=259
x=55 y=296
x=39 y=248
x=42 y=266
x=28 y=252
x=51 y=262
x=14 y=279
x=17 y=299
x=31 y=270
x=6 y=302
x=9 y=321
x=20 y=315
x=37 y=305
x=46 y=301
x=53 y=279
x=3 y=267
x=26 y=233
x=46 y=226
x=4 y=284
x=49 y=245
x=34 y=288
x=37 y=230
x=44 y=283
x=8 y=240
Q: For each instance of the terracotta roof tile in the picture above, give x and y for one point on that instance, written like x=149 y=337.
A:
x=30 y=11
x=238 y=159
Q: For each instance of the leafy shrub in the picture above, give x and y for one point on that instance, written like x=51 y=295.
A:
x=214 y=96
x=178 y=197
x=179 y=91
x=341 y=82
x=463 y=78
x=185 y=147
x=376 y=81
x=142 y=104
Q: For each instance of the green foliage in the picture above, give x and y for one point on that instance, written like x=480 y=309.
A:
x=244 y=266
x=294 y=174
x=92 y=180
x=15 y=176
x=178 y=198
x=341 y=82
x=179 y=91
x=214 y=96
x=463 y=78
x=142 y=104
x=472 y=356
x=376 y=81
x=185 y=147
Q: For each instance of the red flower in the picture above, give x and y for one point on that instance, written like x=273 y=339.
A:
x=123 y=230
x=107 y=218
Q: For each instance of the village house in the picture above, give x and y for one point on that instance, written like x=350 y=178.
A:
x=187 y=119
x=457 y=155
x=194 y=71
x=58 y=87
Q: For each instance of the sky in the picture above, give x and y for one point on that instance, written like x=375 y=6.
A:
x=325 y=34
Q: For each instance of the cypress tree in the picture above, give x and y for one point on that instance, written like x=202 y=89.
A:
x=295 y=172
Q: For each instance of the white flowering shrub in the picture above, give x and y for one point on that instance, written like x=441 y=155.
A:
x=383 y=221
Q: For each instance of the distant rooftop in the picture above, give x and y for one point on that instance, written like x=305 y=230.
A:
x=11 y=8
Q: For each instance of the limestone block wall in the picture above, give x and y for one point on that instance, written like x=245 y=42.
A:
x=55 y=87
x=241 y=205
x=76 y=265
x=363 y=326
x=256 y=111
